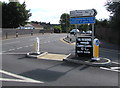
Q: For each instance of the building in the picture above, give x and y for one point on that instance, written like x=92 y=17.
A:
x=31 y=26
x=37 y=26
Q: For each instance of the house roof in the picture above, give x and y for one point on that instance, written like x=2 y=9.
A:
x=28 y=25
x=36 y=25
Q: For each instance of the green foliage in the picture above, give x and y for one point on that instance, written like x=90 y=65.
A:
x=14 y=14
x=83 y=27
x=0 y=3
x=57 y=29
x=102 y=23
x=114 y=8
x=65 y=22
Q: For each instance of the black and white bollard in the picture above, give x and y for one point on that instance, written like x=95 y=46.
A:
x=16 y=34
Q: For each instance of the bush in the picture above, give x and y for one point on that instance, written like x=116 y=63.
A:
x=57 y=29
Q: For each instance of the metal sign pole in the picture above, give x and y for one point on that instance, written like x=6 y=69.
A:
x=92 y=34
x=75 y=40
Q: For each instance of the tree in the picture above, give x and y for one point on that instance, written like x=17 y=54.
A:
x=65 y=22
x=57 y=29
x=102 y=23
x=114 y=9
x=14 y=14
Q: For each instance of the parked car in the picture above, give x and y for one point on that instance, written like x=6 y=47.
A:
x=82 y=32
x=74 y=31
x=88 y=32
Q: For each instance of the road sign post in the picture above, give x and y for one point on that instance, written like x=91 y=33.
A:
x=87 y=48
x=83 y=47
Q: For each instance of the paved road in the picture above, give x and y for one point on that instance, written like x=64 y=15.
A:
x=19 y=70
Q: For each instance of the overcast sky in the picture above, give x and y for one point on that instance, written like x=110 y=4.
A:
x=51 y=10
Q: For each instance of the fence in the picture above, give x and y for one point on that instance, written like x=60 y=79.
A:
x=107 y=35
x=6 y=33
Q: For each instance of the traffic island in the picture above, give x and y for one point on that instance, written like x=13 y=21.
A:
x=35 y=54
x=88 y=61
x=51 y=56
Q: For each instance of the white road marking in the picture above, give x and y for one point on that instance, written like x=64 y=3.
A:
x=26 y=46
x=114 y=68
x=115 y=62
x=19 y=47
x=110 y=69
x=10 y=43
x=45 y=42
x=11 y=49
x=20 y=78
x=12 y=53
x=4 y=51
x=31 y=45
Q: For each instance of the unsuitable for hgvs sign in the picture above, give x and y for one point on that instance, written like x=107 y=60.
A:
x=84 y=46
x=83 y=20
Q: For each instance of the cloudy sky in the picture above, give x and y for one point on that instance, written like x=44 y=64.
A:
x=51 y=10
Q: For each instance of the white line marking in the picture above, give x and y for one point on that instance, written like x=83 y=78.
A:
x=26 y=46
x=4 y=51
x=67 y=56
x=114 y=68
x=19 y=47
x=10 y=43
x=24 y=79
x=109 y=69
x=31 y=45
x=115 y=62
x=11 y=49
x=45 y=42
x=12 y=53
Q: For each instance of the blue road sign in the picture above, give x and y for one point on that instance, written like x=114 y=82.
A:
x=82 y=20
x=97 y=42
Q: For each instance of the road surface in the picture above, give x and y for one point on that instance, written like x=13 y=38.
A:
x=19 y=70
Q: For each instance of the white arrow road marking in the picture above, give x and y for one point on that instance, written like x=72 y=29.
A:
x=20 y=78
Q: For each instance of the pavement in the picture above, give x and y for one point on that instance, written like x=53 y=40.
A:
x=19 y=70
